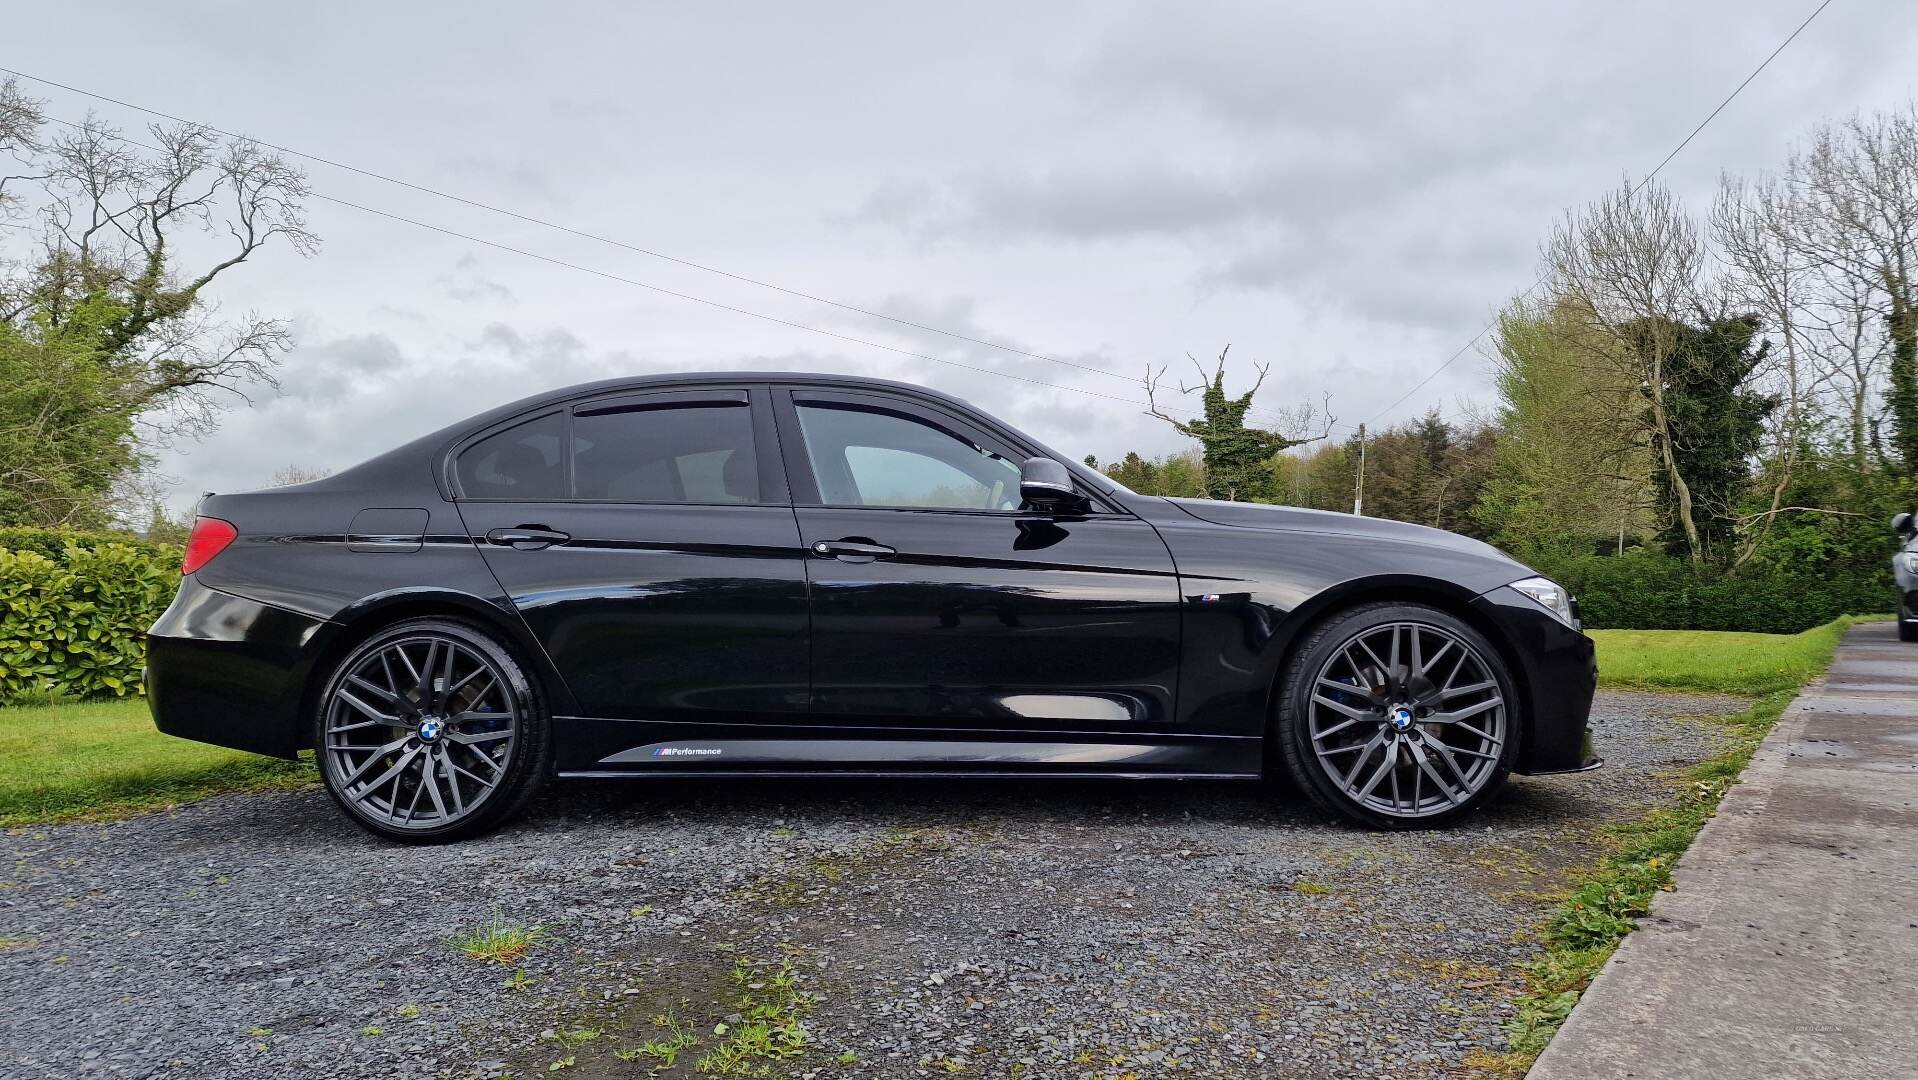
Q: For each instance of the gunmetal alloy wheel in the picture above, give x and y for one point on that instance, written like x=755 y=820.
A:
x=1402 y=717
x=429 y=731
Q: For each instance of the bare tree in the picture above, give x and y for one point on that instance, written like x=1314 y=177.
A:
x=1858 y=182
x=105 y=311
x=297 y=474
x=20 y=121
x=114 y=218
x=1758 y=229
x=1631 y=266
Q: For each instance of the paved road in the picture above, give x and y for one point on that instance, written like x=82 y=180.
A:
x=1790 y=948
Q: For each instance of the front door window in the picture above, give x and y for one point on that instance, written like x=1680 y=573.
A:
x=869 y=457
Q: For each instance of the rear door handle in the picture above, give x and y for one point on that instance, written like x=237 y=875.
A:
x=528 y=537
x=859 y=550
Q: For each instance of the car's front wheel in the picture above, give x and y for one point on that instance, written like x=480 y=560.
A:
x=1397 y=716
x=430 y=731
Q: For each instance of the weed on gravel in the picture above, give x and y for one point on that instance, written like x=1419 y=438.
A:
x=768 y=1022
x=662 y=1053
x=740 y=1020
x=498 y=941
x=823 y=873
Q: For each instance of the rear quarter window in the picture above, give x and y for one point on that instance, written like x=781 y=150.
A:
x=524 y=463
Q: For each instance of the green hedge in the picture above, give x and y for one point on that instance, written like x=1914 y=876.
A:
x=75 y=622
x=54 y=543
x=1656 y=592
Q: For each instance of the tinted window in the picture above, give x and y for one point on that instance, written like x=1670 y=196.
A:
x=681 y=454
x=866 y=458
x=523 y=462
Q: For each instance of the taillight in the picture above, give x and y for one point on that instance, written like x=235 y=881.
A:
x=210 y=536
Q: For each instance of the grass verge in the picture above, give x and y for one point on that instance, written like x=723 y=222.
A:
x=1584 y=930
x=1715 y=661
x=94 y=760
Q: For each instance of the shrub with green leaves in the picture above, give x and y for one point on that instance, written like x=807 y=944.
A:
x=76 y=624
x=1646 y=591
x=54 y=543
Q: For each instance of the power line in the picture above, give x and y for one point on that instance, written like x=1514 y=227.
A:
x=955 y=335
x=530 y=219
x=608 y=275
x=581 y=233
x=1713 y=115
x=1789 y=38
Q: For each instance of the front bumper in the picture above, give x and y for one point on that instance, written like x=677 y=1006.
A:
x=1557 y=667
x=229 y=671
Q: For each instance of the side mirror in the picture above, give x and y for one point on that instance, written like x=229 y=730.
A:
x=1901 y=524
x=1044 y=484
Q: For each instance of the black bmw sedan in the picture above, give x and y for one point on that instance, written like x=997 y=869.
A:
x=733 y=575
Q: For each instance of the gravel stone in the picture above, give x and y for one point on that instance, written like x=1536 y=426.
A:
x=1000 y=928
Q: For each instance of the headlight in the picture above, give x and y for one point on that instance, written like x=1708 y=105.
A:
x=1910 y=562
x=1550 y=594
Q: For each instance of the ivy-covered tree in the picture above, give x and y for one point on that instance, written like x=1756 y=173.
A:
x=1715 y=421
x=1237 y=458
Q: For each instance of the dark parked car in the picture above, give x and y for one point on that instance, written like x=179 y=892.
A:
x=734 y=575
x=1904 y=569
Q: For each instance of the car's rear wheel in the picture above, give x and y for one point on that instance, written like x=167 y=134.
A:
x=1907 y=631
x=1397 y=716
x=429 y=731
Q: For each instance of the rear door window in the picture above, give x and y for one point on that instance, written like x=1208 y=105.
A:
x=688 y=453
x=627 y=450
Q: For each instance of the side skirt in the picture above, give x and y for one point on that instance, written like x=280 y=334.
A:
x=712 y=750
x=893 y=774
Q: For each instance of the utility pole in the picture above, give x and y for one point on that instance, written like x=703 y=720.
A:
x=1358 y=497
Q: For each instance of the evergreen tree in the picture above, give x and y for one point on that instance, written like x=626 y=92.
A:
x=1717 y=423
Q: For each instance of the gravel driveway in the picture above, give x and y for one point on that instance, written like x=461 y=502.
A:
x=984 y=929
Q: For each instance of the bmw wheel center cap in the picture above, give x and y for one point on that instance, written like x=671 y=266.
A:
x=430 y=729
x=1401 y=717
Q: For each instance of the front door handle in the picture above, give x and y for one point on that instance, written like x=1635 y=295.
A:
x=528 y=537
x=852 y=549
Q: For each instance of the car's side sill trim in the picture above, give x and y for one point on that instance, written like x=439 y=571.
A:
x=891 y=774
x=883 y=730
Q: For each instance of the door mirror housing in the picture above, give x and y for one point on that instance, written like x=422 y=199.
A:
x=1901 y=524
x=1044 y=484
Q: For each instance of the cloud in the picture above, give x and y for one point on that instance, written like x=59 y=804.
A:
x=466 y=285
x=1345 y=190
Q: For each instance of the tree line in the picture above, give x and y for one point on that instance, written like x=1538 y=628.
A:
x=1733 y=386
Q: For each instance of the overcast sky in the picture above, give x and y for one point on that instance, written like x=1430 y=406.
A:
x=1347 y=191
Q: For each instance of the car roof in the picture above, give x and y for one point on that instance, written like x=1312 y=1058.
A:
x=641 y=382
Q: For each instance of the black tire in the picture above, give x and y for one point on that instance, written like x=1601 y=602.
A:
x=1907 y=631
x=517 y=707
x=1319 y=653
